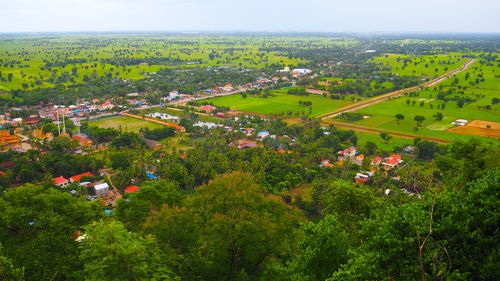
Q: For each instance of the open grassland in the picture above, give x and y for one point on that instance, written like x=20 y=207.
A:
x=422 y=66
x=469 y=95
x=280 y=103
x=363 y=138
x=43 y=61
x=126 y=124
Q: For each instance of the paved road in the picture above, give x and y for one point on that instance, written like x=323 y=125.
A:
x=382 y=98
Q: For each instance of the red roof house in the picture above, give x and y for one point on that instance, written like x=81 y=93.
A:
x=208 y=108
x=390 y=163
x=131 y=188
x=377 y=160
x=396 y=157
x=80 y=176
x=60 y=181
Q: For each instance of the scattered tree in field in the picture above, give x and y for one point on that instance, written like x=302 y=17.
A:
x=399 y=117
x=385 y=136
x=419 y=119
x=438 y=116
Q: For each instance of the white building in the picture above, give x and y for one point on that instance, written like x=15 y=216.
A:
x=174 y=95
x=163 y=116
x=209 y=125
x=460 y=122
x=301 y=71
x=101 y=190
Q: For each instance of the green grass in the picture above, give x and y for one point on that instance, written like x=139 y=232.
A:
x=280 y=103
x=423 y=66
x=127 y=124
x=382 y=115
x=389 y=147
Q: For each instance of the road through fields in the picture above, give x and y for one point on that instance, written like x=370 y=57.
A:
x=382 y=98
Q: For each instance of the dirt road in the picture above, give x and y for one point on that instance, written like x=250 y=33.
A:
x=382 y=98
x=154 y=120
x=372 y=130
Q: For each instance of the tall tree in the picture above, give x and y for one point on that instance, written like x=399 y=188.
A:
x=36 y=228
x=228 y=230
x=110 y=252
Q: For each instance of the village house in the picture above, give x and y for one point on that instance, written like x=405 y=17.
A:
x=262 y=135
x=325 y=163
x=376 y=161
x=101 y=190
x=60 y=181
x=8 y=141
x=174 y=95
x=208 y=108
x=392 y=161
x=362 y=178
x=347 y=153
x=82 y=140
x=248 y=131
x=77 y=178
x=221 y=115
x=301 y=71
x=350 y=154
x=32 y=119
x=131 y=189
x=209 y=125
x=163 y=116
x=246 y=144
x=228 y=88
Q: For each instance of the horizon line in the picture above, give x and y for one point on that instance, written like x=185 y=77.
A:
x=252 y=31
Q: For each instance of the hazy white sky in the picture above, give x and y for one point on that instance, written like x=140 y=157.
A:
x=250 y=15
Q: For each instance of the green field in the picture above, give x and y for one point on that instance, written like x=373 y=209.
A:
x=126 y=124
x=480 y=107
x=424 y=66
x=394 y=142
x=44 y=61
x=280 y=103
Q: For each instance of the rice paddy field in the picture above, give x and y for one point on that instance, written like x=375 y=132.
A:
x=481 y=106
x=126 y=124
x=280 y=102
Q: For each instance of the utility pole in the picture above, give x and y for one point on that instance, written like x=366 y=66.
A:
x=64 y=125
x=58 y=124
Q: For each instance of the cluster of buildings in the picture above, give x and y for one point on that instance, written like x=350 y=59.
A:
x=8 y=141
x=101 y=190
x=350 y=155
x=252 y=139
x=388 y=163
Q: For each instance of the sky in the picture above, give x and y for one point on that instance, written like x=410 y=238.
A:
x=250 y=15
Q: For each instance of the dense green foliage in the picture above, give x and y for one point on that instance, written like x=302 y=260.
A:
x=201 y=206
